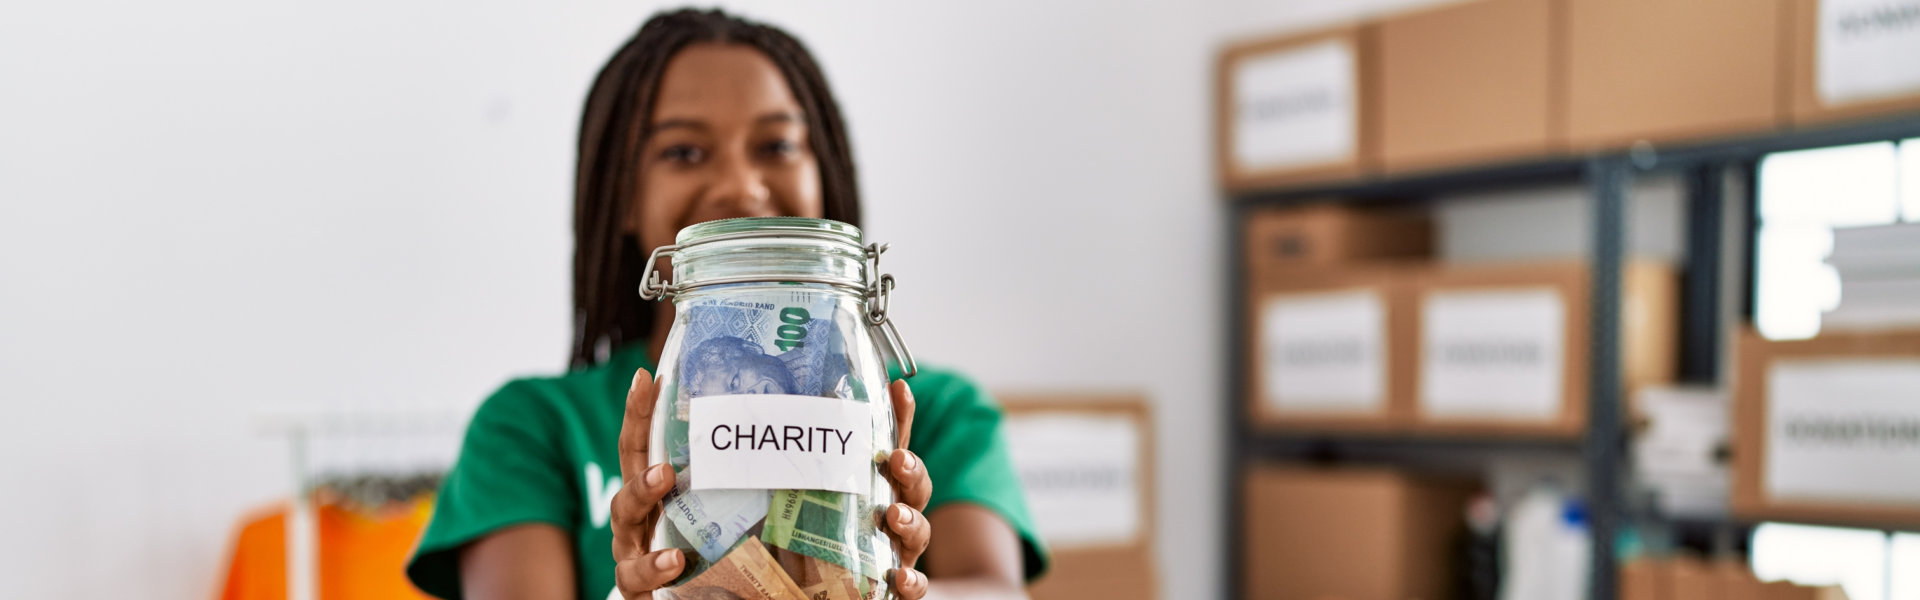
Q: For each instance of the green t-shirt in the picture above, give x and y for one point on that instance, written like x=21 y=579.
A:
x=545 y=450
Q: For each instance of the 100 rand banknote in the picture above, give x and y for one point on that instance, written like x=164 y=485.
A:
x=775 y=342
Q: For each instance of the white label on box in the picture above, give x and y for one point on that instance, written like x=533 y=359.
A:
x=1867 y=49
x=780 y=441
x=1324 y=353
x=1081 y=475
x=1295 y=107
x=1844 y=430
x=1493 y=354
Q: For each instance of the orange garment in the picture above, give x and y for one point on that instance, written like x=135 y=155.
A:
x=361 y=557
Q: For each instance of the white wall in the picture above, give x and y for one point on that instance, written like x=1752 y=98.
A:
x=214 y=209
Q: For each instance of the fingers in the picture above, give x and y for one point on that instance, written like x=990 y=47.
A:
x=910 y=530
x=639 y=576
x=635 y=510
x=908 y=584
x=911 y=484
x=902 y=409
x=636 y=429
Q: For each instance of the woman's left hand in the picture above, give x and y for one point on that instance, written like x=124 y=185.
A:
x=911 y=489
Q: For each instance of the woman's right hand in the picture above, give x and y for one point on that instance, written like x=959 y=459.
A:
x=636 y=507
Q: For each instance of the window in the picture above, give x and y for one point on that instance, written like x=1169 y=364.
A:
x=1868 y=564
x=1803 y=197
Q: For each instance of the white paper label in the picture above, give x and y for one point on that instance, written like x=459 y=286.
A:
x=1294 y=107
x=1493 y=354
x=1844 y=430
x=780 y=441
x=1081 y=476
x=1867 y=49
x=1325 y=352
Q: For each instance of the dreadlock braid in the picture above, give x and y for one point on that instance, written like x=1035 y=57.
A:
x=608 y=262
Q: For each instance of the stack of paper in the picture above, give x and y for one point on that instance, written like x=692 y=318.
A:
x=1681 y=455
x=1879 y=269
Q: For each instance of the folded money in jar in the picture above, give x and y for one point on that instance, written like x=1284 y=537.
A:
x=774 y=409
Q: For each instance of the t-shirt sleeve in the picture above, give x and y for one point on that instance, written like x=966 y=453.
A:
x=510 y=471
x=957 y=431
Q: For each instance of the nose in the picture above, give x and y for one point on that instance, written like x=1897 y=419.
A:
x=740 y=189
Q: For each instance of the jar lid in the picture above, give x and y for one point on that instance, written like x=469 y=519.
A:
x=699 y=232
x=781 y=250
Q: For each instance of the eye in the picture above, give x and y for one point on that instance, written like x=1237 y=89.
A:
x=683 y=153
x=779 y=148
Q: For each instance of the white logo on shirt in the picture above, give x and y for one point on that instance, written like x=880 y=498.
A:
x=600 y=494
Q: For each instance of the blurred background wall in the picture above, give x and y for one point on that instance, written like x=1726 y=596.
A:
x=216 y=210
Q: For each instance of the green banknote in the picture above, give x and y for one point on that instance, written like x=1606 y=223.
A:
x=819 y=523
x=676 y=427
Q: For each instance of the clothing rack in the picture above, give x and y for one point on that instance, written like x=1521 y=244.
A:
x=300 y=430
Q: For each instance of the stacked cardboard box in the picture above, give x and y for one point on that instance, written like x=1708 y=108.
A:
x=1507 y=80
x=1331 y=288
x=1825 y=428
x=1849 y=59
x=1472 y=82
x=1354 y=329
x=1355 y=534
x=1688 y=578
x=1085 y=462
x=1503 y=348
x=1660 y=71
x=1297 y=109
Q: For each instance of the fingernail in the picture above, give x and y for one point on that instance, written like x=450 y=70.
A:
x=666 y=559
x=905 y=516
x=655 y=475
x=909 y=463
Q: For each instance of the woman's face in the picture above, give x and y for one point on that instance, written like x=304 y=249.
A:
x=728 y=140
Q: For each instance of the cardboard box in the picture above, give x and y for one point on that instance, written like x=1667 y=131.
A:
x=1662 y=71
x=1502 y=349
x=1644 y=579
x=1329 y=234
x=1690 y=578
x=1695 y=579
x=1840 y=90
x=1354 y=534
x=1470 y=83
x=1098 y=574
x=1297 y=109
x=1825 y=429
x=1330 y=347
x=1056 y=441
x=1786 y=590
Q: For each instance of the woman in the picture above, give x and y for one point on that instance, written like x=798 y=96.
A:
x=700 y=116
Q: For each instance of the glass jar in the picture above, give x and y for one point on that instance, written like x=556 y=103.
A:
x=774 y=410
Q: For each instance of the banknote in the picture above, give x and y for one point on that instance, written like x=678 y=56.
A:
x=675 y=429
x=820 y=524
x=712 y=521
x=747 y=572
x=786 y=342
x=821 y=580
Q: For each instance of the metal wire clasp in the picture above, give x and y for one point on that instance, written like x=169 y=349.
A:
x=879 y=297
x=652 y=288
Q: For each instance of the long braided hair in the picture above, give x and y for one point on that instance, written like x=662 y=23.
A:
x=608 y=262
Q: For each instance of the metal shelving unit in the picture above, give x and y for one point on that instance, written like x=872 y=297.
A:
x=1608 y=177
